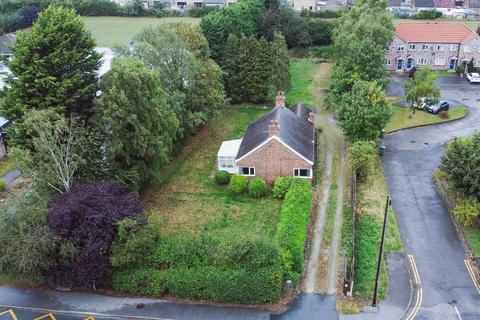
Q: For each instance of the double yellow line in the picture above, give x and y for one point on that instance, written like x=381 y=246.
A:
x=418 y=283
x=10 y=312
x=46 y=316
x=472 y=274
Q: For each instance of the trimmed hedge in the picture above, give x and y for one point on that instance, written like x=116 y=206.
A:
x=222 y=177
x=292 y=228
x=239 y=184
x=257 y=188
x=283 y=184
x=206 y=282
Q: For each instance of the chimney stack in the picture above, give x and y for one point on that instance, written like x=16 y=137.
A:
x=311 y=117
x=280 y=99
x=273 y=128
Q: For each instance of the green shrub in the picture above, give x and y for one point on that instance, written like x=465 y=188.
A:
x=222 y=177
x=283 y=184
x=292 y=228
x=257 y=188
x=467 y=212
x=239 y=184
x=134 y=243
x=146 y=281
x=3 y=185
x=250 y=254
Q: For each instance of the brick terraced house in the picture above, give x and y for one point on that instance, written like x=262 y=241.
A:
x=281 y=143
x=442 y=46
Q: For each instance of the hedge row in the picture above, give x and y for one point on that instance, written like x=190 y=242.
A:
x=292 y=228
x=207 y=282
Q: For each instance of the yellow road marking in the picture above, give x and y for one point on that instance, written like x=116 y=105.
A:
x=419 y=301
x=50 y=315
x=10 y=312
x=472 y=274
x=89 y=318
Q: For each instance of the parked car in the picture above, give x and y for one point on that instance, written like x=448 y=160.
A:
x=422 y=104
x=441 y=106
x=473 y=77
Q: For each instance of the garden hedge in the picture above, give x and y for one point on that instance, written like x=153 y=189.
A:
x=292 y=228
x=283 y=184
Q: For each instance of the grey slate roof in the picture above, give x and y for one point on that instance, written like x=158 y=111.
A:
x=394 y=3
x=295 y=131
x=424 y=4
x=6 y=41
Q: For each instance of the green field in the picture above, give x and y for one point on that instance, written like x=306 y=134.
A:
x=119 y=31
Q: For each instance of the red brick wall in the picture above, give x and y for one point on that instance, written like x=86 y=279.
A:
x=273 y=160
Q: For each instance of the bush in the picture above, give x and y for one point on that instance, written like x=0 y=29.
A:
x=26 y=242
x=257 y=188
x=3 y=185
x=467 y=212
x=291 y=233
x=444 y=114
x=460 y=68
x=239 y=184
x=427 y=15
x=283 y=184
x=222 y=177
x=361 y=154
x=146 y=281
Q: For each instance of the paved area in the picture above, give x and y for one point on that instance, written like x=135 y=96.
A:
x=426 y=227
x=310 y=306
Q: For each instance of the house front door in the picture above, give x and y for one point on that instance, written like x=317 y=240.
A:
x=409 y=63
x=399 y=64
x=453 y=64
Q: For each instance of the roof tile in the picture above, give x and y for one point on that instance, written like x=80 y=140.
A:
x=433 y=32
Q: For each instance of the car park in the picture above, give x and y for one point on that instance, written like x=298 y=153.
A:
x=436 y=108
x=473 y=77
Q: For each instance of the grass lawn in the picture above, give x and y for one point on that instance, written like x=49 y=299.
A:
x=473 y=236
x=119 y=31
x=6 y=165
x=371 y=199
x=302 y=72
x=403 y=119
x=189 y=201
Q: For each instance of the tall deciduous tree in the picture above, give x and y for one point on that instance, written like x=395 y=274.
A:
x=56 y=147
x=137 y=125
x=54 y=66
x=420 y=89
x=363 y=111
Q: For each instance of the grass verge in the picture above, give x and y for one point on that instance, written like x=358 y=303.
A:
x=119 y=31
x=302 y=72
x=402 y=118
x=371 y=195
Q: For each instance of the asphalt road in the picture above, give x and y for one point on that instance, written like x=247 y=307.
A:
x=426 y=228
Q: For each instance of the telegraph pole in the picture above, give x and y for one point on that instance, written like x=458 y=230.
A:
x=379 y=264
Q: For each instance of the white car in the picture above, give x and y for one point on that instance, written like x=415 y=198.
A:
x=473 y=77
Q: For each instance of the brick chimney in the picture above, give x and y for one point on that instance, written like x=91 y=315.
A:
x=311 y=117
x=280 y=99
x=273 y=128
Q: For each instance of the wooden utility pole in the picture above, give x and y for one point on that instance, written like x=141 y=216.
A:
x=379 y=264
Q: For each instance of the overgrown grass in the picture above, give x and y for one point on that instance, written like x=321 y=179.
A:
x=6 y=165
x=119 y=31
x=402 y=117
x=371 y=205
x=302 y=72
x=445 y=73
x=473 y=236
x=330 y=220
x=189 y=200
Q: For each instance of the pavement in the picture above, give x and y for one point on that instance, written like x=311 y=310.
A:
x=426 y=227
x=11 y=176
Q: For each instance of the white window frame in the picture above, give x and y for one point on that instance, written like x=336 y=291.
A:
x=388 y=62
x=412 y=47
x=422 y=61
x=453 y=47
x=401 y=48
x=467 y=49
x=310 y=174
x=476 y=63
x=440 y=61
x=240 y=171
x=440 y=47
x=226 y=162
x=425 y=47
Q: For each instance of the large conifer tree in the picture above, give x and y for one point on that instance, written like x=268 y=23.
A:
x=54 y=67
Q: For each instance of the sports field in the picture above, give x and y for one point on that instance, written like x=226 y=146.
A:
x=119 y=31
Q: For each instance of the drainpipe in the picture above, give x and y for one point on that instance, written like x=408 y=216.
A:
x=458 y=56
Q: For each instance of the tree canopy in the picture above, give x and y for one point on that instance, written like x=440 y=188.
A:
x=420 y=89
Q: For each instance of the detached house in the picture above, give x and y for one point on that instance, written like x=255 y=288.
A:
x=281 y=143
x=440 y=45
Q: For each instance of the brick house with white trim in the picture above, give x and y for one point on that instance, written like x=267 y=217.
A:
x=440 y=45
x=279 y=144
